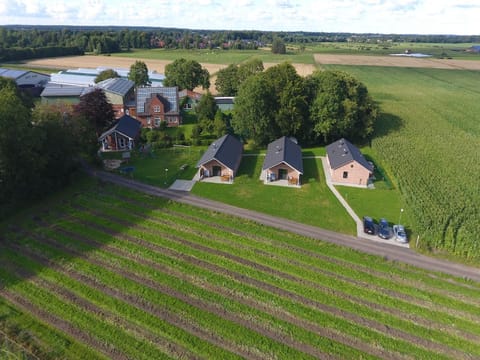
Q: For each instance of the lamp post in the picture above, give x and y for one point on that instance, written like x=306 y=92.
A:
x=400 y=216
x=166 y=172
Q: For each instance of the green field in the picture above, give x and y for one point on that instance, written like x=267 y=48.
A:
x=429 y=139
x=106 y=272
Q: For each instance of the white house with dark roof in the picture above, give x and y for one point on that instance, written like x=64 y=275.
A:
x=122 y=135
x=347 y=164
x=283 y=163
x=221 y=160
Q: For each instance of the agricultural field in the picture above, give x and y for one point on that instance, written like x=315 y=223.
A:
x=429 y=138
x=105 y=272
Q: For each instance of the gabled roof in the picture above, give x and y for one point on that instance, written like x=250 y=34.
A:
x=284 y=150
x=226 y=150
x=52 y=89
x=191 y=94
x=117 y=86
x=126 y=125
x=342 y=152
x=168 y=93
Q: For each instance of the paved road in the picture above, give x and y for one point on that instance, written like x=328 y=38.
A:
x=390 y=252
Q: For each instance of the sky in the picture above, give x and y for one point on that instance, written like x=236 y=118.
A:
x=461 y=17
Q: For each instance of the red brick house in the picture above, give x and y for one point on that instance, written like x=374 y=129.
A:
x=283 y=162
x=155 y=105
x=189 y=99
x=221 y=159
x=347 y=164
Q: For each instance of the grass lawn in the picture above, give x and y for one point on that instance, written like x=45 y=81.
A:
x=312 y=204
x=150 y=169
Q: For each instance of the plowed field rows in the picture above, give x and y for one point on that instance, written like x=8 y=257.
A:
x=116 y=274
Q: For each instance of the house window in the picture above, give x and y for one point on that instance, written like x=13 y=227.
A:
x=172 y=120
x=156 y=108
x=121 y=142
x=187 y=106
x=345 y=174
x=157 y=121
x=149 y=120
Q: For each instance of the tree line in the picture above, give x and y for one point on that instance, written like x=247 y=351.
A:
x=104 y=40
x=316 y=109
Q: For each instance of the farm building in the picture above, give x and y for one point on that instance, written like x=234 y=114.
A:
x=225 y=103
x=86 y=76
x=347 y=164
x=122 y=135
x=157 y=104
x=119 y=93
x=283 y=163
x=62 y=94
x=221 y=160
x=30 y=81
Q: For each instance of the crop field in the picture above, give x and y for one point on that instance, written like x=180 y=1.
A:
x=110 y=273
x=429 y=135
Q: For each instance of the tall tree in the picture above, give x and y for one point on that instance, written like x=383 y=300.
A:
x=227 y=81
x=278 y=46
x=94 y=107
x=252 y=114
x=220 y=124
x=19 y=147
x=291 y=107
x=341 y=107
x=106 y=74
x=139 y=74
x=249 y=68
x=186 y=74
x=206 y=107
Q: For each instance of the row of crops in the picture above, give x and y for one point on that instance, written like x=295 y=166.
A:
x=429 y=136
x=111 y=273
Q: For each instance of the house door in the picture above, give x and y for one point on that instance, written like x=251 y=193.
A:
x=282 y=174
x=217 y=170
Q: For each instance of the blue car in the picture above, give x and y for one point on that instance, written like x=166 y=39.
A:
x=368 y=225
x=384 y=230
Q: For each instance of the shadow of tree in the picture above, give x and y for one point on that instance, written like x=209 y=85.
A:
x=387 y=123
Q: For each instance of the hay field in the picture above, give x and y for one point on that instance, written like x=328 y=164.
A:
x=397 y=61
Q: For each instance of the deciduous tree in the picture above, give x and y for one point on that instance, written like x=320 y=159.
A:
x=139 y=74
x=341 y=107
x=186 y=74
x=94 y=106
x=106 y=74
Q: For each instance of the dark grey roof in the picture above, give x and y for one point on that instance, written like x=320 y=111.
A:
x=227 y=150
x=12 y=73
x=224 y=100
x=126 y=125
x=168 y=93
x=117 y=86
x=342 y=152
x=52 y=89
x=284 y=150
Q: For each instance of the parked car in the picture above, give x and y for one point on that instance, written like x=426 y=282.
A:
x=384 y=230
x=400 y=233
x=368 y=225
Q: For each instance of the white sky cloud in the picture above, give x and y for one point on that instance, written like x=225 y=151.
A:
x=359 y=16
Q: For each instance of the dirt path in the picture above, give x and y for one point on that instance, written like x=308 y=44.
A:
x=392 y=253
x=396 y=61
